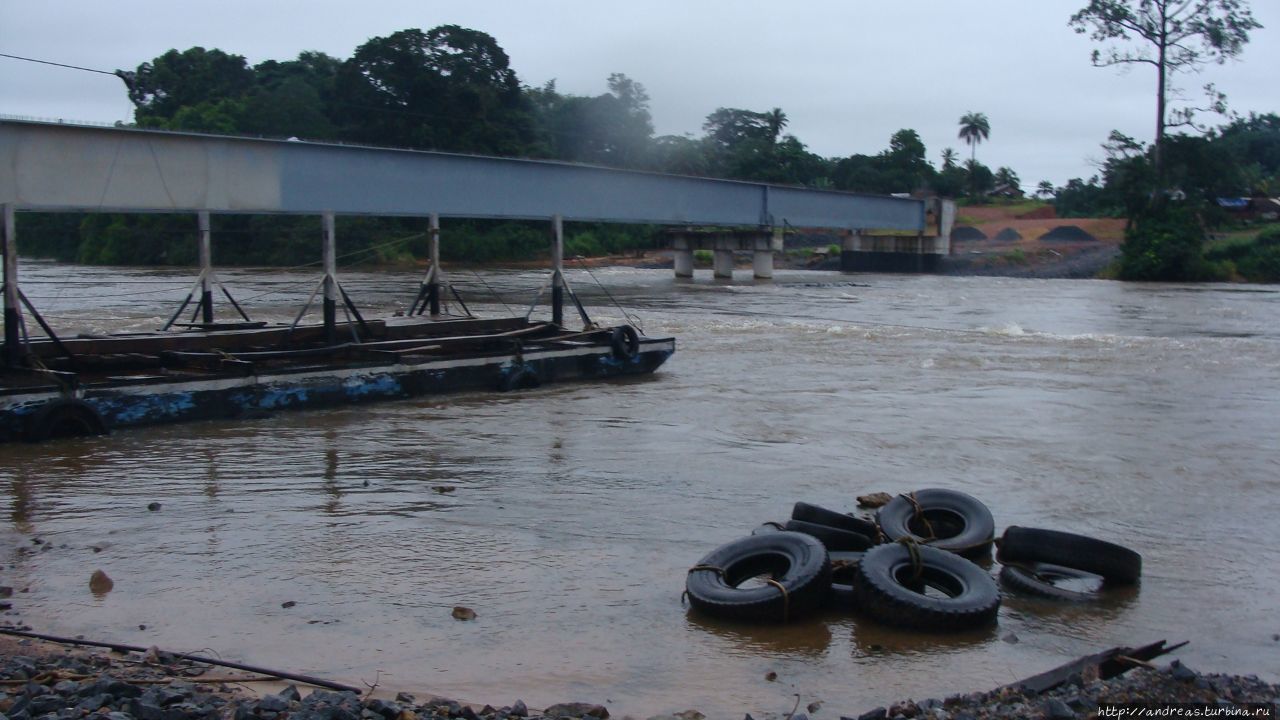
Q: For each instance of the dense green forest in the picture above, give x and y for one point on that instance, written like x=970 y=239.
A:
x=452 y=89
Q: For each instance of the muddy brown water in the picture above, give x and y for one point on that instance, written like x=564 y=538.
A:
x=1143 y=414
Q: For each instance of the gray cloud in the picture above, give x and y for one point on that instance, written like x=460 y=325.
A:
x=848 y=73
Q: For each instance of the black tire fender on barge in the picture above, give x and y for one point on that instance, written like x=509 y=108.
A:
x=519 y=377
x=1116 y=563
x=65 y=417
x=944 y=519
x=883 y=588
x=625 y=342
x=796 y=564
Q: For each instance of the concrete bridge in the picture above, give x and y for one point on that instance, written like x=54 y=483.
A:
x=58 y=167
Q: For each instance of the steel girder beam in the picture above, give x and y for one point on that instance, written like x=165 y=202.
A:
x=45 y=166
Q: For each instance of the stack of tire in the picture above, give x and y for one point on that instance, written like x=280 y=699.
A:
x=914 y=566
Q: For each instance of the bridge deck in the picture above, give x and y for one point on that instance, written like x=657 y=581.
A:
x=45 y=166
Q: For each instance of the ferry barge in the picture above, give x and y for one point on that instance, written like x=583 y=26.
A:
x=89 y=385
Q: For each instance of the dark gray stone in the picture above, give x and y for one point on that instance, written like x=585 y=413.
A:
x=1055 y=709
x=46 y=704
x=877 y=714
x=291 y=694
x=143 y=710
x=1181 y=672
x=382 y=708
x=519 y=709
x=272 y=703
x=92 y=703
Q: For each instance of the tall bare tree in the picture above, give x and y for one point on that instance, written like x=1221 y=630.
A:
x=1172 y=36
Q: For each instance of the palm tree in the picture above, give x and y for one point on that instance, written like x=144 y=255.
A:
x=1045 y=189
x=974 y=128
x=949 y=158
x=776 y=120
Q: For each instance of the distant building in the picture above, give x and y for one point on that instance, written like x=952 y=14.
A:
x=1005 y=190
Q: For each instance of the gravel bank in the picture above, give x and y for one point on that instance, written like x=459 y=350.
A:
x=41 y=681
x=1173 y=683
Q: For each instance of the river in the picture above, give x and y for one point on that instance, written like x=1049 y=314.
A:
x=1143 y=414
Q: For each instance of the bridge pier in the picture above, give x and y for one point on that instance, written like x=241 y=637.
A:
x=722 y=264
x=902 y=252
x=683 y=261
x=761 y=243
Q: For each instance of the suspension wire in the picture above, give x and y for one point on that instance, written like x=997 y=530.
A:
x=57 y=64
x=493 y=292
x=634 y=320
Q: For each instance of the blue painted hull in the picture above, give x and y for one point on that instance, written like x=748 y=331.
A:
x=139 y=400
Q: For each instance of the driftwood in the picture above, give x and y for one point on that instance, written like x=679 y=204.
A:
x=318 y=682
x=1104 y=665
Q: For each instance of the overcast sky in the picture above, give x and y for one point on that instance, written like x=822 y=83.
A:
x=848 y=73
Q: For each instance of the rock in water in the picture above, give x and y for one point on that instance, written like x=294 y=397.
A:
x=874 y=500
x=100 y=583
x=463 y=613
x=576 y=710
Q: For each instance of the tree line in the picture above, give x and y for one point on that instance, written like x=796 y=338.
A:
x=453 y=89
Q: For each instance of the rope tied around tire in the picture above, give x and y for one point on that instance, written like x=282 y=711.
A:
x=919 y=515
x=719 y=571
x=913 y=551
x=786 y=598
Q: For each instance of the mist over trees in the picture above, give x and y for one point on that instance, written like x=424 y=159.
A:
x=453 y=89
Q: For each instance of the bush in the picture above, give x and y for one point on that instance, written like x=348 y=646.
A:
x=1166 y=244
x=702 y=256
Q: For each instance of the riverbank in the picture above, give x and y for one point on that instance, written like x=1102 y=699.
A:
x=40 y=679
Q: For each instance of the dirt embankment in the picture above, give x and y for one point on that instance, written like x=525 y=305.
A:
x=1016 y=241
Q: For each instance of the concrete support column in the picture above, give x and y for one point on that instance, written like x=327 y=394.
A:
x=329 y=256
x=434 y=279
x=12 y=316
x=851 y=242
x=557 y=270
x=206 y=267
x=683 y=263
x=722 y=265
x=762 y=264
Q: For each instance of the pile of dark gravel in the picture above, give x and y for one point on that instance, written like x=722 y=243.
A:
x=1068 y=233
x=962 y=233
x=1175 y=683
x=75 y=687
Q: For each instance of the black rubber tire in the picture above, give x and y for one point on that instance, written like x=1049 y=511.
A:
x=843 y=566
x=822 y=516
x=66 y=417
x=1116 y=563
x=879 y=590
x=1038 y=579
x=523 y=377
x=625 y=342
x=835 y=539
x=797 y=561
x=962 y=524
